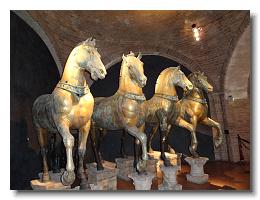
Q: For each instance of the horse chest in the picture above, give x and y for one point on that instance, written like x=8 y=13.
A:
x=82 y=111
x=130 y=108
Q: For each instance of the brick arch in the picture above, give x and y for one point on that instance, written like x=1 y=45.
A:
x=116 y=56
x=232 y=46
x=238 y=69
x=41 y=33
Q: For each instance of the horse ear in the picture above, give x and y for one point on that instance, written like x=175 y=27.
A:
x=178 y=67
x=94 y=42
x=123 y=56
x=139 y=56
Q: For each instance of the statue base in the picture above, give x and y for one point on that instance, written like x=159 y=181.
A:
x=197 y=174
x=103 y=179
x=143 y=181
x=53 y=184
x=125 y=166
x=169 y=178
x=173 y=158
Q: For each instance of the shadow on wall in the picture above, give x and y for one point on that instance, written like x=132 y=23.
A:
x=33 y=73
x=179 y=139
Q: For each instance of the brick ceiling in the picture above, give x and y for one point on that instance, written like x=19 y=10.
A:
x=168 y=32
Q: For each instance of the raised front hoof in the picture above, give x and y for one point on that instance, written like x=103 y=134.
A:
x=167 y=163
x=68 y=177
x=193 y=152
x=45 y=177
x=141 y=166
x=217 y=142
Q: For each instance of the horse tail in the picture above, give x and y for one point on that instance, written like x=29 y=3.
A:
x=39 y=109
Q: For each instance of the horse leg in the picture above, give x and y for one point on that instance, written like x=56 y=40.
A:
x=134 y=131
x=57 y=154
x=150 y=139
x=162 y=117
x=83 y=136
x=68 y=176
x=171 y=150
x=194 y=141
x=42 y=138
x=122 y=147
x=137 y=150
x=182 y=123
x=211 y=122
x=95 y=147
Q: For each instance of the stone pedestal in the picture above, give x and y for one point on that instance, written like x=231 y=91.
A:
x=53 y=184
x=169 y=178
x=142 y=182
x=103 y=179
x=152 y=166
x=125 y=166
x=173 y=158
x=197 y=174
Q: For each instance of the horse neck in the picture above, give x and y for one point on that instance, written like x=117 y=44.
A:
x=73 y=74
x=126 y=85
x=195 y=93
x=164 y=86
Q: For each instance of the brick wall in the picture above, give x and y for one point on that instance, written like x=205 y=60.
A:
x=238 y=122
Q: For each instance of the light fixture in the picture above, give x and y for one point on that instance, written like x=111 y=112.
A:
x=196 y=32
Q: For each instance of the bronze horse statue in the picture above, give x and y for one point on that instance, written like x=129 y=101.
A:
x=159 y=109
x=123 y=109
x=193 y=109
x=70 y=106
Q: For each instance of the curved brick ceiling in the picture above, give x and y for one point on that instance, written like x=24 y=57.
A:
x=163 y=31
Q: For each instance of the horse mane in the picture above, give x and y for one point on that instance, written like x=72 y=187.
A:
x=123 y=62
x=193 y=77
x=162 y=76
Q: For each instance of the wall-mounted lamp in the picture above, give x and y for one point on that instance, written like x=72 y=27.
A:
x=196 y=32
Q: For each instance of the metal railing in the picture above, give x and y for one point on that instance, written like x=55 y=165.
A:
x=242 y=143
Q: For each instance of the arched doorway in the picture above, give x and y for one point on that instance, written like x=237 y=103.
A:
x=180 y=139
x=33 y=73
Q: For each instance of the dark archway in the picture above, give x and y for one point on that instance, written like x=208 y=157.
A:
x=153 y=65
x=33 y=73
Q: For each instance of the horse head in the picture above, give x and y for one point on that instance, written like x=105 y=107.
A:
x=201 y=82
x=180 y=79
x=135 y=68
x=88 y=58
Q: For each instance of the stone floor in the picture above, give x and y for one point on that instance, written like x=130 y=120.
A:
x=222 y=176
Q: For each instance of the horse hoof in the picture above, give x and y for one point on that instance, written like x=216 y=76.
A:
x=171 y=150
x=217 y=142
x=100 y=167
x=151 y=150
x=193 y=152
x=123 y=156
x=141 y=166
x=68 y=177
x=45 y=177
